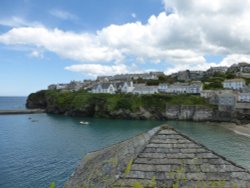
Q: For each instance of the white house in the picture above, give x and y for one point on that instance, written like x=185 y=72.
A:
x=143 y=89
x=127 y=87
x=226 y=99
x=104 y=88
x=244 y=97
x=235 y=84
x=124 y=87
x=177 y=88
x=163 y=88
x=193 y=88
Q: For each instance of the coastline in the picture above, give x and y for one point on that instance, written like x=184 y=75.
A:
x=243 y=129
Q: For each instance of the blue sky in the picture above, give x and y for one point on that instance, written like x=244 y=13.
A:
x=44 y=41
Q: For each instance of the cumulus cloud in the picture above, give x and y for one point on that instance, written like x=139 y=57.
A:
x=181 y=38
x=234 y=58
x=78 y=47
x=98 y=69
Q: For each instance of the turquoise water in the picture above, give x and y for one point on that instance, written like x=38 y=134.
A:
x=223 y=141
x=38 y=149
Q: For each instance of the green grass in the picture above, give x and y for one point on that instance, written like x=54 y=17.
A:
x=100 y=103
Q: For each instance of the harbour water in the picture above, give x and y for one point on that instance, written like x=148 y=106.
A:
x=12 y=103
x=37 y=149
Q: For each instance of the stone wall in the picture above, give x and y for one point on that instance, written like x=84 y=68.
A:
x=102 y=168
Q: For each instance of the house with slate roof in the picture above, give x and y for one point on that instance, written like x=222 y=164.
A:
x=104 y=88
x=143 y=89
x=235 y=84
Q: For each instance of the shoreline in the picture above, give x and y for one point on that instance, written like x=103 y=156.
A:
x=24 y=111
x=243 y=129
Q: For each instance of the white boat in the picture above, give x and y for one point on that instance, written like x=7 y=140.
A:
x=84 y=122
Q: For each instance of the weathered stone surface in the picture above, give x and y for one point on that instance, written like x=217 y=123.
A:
x=161 y=158
x=102 y=168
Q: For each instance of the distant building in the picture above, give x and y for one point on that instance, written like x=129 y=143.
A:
x=244 y=97
x=104 y=88
x=243 y=74
x=128 y=77
x=163 y=88
x=113 y=87
x=52 y=87
x=103 y=78
x=75 y=85
x=179 y=88
x=214 y=70
x=181 y=75
x=226 y=101
x=216 y=96
x=208 y=93
x=143 y=89
x=195 y=87
x=124 y=87
x=235 y=84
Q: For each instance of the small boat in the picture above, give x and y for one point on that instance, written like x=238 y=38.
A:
x=84 y=122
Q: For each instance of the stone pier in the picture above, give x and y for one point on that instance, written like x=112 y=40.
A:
x=162 y=157
x=15 y=112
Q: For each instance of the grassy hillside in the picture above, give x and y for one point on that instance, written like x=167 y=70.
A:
x=78 y=101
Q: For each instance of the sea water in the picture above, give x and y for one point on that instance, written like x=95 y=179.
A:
x=38 y=149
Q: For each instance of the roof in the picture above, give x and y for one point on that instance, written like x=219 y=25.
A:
x=119 y=84
x=235 y=80
x=144 y=88
x=105 y=85
x=160 y=157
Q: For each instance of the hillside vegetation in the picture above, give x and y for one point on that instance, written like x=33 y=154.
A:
x=81 y=102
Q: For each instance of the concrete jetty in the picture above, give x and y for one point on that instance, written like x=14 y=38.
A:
x=28 y=111
x=162 y=157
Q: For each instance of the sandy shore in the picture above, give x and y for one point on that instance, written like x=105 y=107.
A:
x=238 y=129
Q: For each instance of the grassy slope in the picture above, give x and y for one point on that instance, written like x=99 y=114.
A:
x=81 y=99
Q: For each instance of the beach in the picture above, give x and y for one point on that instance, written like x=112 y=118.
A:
x=243 y=130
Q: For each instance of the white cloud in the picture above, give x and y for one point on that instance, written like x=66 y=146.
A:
x=37 y=54
x=17 y=22
x=98 y=69
x=78 y=47
x=64 y=15
x=234 y=58
x=181 y=39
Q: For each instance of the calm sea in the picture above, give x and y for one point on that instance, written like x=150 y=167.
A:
x=12 y=103
x=38 y=149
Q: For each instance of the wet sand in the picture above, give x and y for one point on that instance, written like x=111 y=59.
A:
x=243 y=130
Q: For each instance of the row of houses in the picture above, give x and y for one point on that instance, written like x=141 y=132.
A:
x=72 y=86
x=226 y=98
x=129 y=87
x=125 y=77
x=181 y=88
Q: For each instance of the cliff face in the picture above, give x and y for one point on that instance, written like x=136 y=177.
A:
x=37 y=100
x=193 y=112
x=101 y=106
